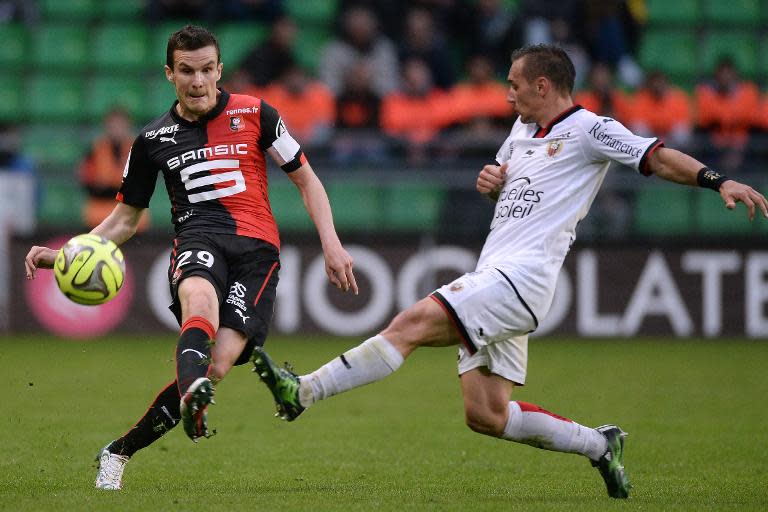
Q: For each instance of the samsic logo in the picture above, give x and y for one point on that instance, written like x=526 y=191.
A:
x=202 y=153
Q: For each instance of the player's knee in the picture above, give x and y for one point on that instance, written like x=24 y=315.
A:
x=412 y=327
x=198 y=302
x=405 y=321
x=485 y=421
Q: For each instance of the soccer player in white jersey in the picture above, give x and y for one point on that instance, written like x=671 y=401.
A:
x=547 y=173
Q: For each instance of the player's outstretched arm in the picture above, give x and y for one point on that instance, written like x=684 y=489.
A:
x=119 y=226
x=338 y=262
x=491 y=179
x=675 y=166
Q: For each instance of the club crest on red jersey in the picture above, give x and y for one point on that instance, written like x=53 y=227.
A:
x=235 y=123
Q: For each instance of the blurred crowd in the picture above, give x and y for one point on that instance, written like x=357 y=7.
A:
x=423 y=81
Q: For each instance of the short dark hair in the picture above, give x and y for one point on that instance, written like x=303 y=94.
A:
x=188 y=38
x=549 y=61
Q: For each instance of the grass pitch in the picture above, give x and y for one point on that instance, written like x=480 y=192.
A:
x=696 y=413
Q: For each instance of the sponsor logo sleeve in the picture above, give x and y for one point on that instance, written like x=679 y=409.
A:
x=608 y=139
x=139 y=177
x=275 y=135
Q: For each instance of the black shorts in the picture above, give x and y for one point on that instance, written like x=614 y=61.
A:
x=243 y=271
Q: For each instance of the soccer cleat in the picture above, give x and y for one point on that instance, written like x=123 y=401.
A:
x=282 y=382
x=194 y=408
x=111 y=466
x=611 y=464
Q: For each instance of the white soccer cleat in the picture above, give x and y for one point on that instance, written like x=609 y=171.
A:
x=111 y=466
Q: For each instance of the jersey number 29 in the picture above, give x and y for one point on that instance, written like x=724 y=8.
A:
x=235 y=175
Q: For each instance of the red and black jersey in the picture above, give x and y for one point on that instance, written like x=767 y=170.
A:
x=215 y=168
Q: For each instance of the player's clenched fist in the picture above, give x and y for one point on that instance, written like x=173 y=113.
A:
x=491 y=179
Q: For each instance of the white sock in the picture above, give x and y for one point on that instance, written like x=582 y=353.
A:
x=532 y=425
x=368 y=362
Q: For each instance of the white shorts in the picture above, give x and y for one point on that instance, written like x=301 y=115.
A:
x=507 y=358
x=493 y=321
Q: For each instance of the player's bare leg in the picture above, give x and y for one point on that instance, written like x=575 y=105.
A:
x=228 y=347
x=423 y=324
x=489 y=411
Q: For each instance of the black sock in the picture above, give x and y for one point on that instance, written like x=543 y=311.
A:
x=193 y=353
x=161 y=417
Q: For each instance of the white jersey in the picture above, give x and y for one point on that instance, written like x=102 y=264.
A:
x=553 y=176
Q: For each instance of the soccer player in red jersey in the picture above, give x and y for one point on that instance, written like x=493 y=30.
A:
x=211 y=149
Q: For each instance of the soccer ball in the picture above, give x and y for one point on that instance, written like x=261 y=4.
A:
x=89 y=269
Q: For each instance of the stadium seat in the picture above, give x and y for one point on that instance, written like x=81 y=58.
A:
x=314 y=13
x=53 y=98
x=713 y=219
x=288 y=207
x=158 y=42
x=106 y=91
x=120 y=47
x=309 y=46
x=236 y=40
x=60 y=202
x=663 y=211
x=123 y=10
x=677 y=12
x=60 y=46
x=671 y=51
x=57 y=146
x=744 y=13
x=511 y=5
x=69 y=10
x=741 y=47
x=13 y=45
x=356 y=205
x=762 y=59
x=159 y=95
x=413 y=207
x=12 y=107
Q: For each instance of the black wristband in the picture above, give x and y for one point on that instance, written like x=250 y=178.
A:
x=708 y=178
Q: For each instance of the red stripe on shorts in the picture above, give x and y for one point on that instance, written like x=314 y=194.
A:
x=264 y=284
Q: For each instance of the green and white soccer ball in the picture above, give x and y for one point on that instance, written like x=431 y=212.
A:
x=89 y=269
